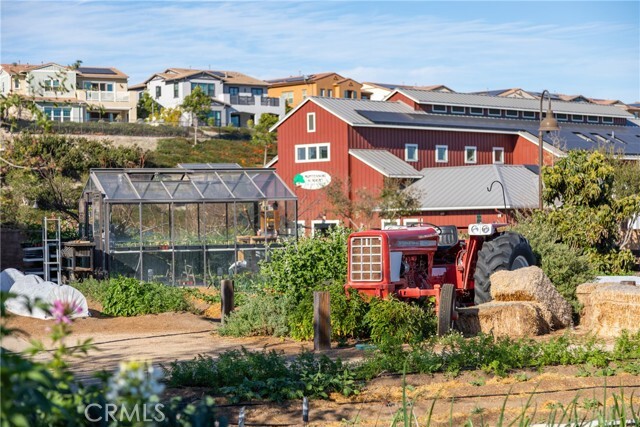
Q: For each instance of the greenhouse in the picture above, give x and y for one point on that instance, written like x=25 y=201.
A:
x=190 y=225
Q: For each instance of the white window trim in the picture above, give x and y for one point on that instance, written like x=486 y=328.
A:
x=321 y=221
x=406 y=152
x=506 y=113
x=589 y=119
x=528 y=115
x=496 y=149
x=453 y=111
x=574 y=118
x=385 y=222
x=434 y=108
x=307 y=146
x=607 y=120
x=300 y=224
x=446 y=154
x=475 y=149
x=309 y=129
x=494 y=114
x=560 y=119
x=476 y=113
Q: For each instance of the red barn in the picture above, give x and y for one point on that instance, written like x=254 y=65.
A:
x=360 y=143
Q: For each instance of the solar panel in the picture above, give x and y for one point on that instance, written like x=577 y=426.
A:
x=95 y=70
x=217 y=73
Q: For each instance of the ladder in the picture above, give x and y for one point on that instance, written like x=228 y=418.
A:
x=51 y=247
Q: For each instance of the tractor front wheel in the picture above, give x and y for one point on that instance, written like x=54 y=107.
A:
x=446 y=308
x=507 y=251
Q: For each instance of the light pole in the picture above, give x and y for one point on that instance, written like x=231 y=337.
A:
x=504 y=198
x=547 y=125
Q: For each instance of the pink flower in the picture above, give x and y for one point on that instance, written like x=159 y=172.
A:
x=62 y=311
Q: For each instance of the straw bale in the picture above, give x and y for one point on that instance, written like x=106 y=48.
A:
x=610 y=308
x=515 y=319
x=531 y=284
x=583 y=294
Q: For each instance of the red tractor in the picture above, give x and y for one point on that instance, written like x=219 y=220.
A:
x=430 y=261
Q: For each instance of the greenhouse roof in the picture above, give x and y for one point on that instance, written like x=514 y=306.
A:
x=188 y=185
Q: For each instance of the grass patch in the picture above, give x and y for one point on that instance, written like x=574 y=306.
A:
x=172 y=151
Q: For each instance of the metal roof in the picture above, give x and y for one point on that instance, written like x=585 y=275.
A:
x=187 y=185
x=386 y=163
x=209 y=166
x=465 y=187
x=521 y=104
x=349 y=109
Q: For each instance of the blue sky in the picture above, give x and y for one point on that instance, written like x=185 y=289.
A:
x=573 y=47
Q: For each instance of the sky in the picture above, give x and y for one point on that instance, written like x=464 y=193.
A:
x=572 y=47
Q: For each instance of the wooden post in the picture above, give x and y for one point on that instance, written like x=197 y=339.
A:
x=321 y=321
x=226 y=294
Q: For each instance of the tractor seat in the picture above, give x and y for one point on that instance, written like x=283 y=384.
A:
x=448 y=237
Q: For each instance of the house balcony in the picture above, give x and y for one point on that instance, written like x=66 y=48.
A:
x=252 y=100
x=99 y=96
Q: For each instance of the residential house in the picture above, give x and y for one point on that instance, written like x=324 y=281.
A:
x=363 y=142
x=66 y=93
x=295 y=89
x=235 y=97
x=379 y=91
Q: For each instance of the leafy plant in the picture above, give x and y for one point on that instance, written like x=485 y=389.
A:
x=130 y=297
x=402 y=320
x=262 y=314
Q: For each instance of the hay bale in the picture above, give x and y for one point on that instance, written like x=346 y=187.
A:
x=611 y=308
x=515 y=319
x=531 y=284
x=583 y=294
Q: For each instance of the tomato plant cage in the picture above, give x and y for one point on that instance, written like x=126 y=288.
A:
x=189 y=225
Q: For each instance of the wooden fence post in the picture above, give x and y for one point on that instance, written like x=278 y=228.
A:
x=321 y=321
x=226 y=295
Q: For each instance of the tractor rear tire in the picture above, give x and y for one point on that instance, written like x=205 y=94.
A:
x=446 y=309
x=507 y=251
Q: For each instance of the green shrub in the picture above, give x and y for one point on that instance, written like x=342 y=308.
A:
x=261 y=314
x=347 y=313
x=399 y=320
x=565 y=266
x=130 y=297
x=93 y=289
x=113 y=128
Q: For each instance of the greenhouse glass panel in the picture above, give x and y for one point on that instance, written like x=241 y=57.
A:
x=116 y=185
x=158 y=267
x=189 y=268
x=248 y=261
x=125 y=264
x=153 y=191
x=246 y=222
x=270 y=185
x=214 y=224
x=185 y=224
x=241 y=186
x=218 y=265
x=125 y=226
x=156 y=230
x=212 y=188
x=182 y=190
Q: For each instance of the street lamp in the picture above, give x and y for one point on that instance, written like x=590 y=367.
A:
x=547 y=125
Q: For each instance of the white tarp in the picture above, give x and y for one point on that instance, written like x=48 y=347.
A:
x=30 y=288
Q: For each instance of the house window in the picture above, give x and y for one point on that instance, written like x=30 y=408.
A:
x=442 y=154
x=320 y=227
x=470 y=154
x=17 y=83
x=411 y=222
x=411 y=152
x=158 y=91
x=311 y=122
x=208 y=89
x=577 y=118
x=287 y=97
x=562 y=117
x=476 y=111
x=592 y=119
x=495 y=112
x=329 y=93
x=457 y=110
x=607 y=120
x=234 y=91
x=439 y=108
x=257 y=91
x=51 y=84
x=304 y=94
x=313 y=153
x=528 y=115
x=498 y=155
x=58 y=114
x=511 y=113
x=321 y=92
x=176 y=90
x=389 y=223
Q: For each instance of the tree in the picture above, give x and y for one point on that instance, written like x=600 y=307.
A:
x=261 y=134
x=147 y=106
x=171 y=116
x=585 y=211
x=198 y=104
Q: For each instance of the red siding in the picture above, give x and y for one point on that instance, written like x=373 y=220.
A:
x=462 y=219
x=402 y=98
x=312 y=203
x=394 y=140
x=526 y=152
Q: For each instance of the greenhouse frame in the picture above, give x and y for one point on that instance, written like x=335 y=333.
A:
x=190 y=225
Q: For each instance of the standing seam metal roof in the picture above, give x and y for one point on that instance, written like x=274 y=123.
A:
x=386 y=163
